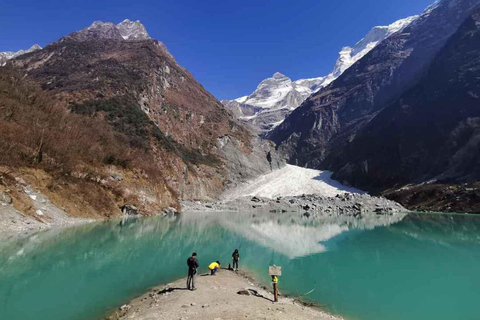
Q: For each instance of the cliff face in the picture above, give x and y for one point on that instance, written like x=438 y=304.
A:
x=334 y=128
x=432 y=131
x=329 y=120
x=166 y=124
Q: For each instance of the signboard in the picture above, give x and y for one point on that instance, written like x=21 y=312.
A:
x=274 y=271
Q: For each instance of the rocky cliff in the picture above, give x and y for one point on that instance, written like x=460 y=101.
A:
x=430 y=132
x=329 y=119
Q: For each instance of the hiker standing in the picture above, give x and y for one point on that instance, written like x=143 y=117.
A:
x=235 y=258
x=192 y=270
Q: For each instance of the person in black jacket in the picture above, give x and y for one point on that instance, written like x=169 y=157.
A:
x=235 y=258
x=192 y=270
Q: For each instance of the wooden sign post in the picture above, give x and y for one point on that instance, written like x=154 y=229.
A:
x=275 y=272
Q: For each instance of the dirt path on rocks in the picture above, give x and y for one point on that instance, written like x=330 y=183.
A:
x=216 y=298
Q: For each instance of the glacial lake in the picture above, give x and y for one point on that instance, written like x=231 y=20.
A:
x=425 y=267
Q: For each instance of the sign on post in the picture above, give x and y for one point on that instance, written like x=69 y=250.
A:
x=274 y=271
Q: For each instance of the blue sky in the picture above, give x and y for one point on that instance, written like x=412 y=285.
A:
x=229 y=46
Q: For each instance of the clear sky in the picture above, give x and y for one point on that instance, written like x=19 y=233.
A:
x=229 y=46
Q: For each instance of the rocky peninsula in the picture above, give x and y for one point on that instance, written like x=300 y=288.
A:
x=228 y=295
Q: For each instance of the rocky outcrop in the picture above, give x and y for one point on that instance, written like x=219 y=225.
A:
x=132 y=30
x=438 y=197
x=243 y=166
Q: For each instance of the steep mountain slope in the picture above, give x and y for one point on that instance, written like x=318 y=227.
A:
x=167 y=124
x=7 y=55
x=327 y=121
x=80 y=164
x=432 y=131
x=277 y=96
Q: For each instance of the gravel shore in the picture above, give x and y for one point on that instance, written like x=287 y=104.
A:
x=226 y=296
x=342 y=207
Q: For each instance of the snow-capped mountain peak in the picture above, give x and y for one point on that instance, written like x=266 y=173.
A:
x=274 y=98
x=282 y=95
x=278 y=75
x=348 y=56
x=125 y=30
x=132 y=30
x=277 y=92
x=7 y=55
x=34 y=47
x=270 y=91
x=241 y=99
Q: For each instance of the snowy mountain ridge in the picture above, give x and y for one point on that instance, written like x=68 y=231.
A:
x=279 y=93
x=7 y=55
x=348 y=56
x=126 y=30
x=274 y=98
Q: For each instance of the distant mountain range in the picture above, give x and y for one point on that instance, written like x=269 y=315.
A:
x=277 y=96
x=110 y=119
x=7 y=55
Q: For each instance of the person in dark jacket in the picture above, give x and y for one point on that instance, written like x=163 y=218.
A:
x=235 y=258
x=192 y=271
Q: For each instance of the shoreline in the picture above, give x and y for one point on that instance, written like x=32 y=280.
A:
x=343 y=207
x=228 y=295
x=14 y=224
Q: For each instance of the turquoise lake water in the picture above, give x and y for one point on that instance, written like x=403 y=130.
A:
x=423 y=267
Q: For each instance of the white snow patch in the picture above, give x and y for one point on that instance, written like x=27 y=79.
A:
x=276 y=124
x=241 y=99
x=291 y=181
x=248 y=117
